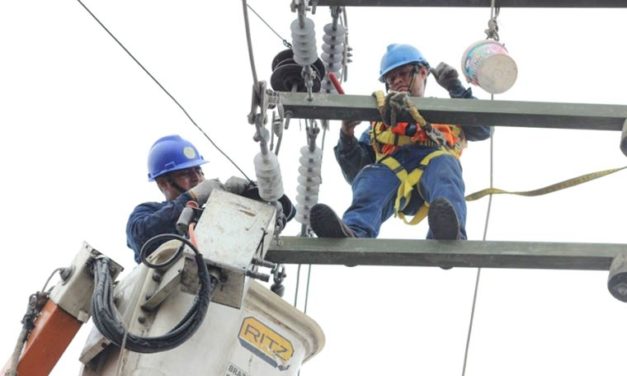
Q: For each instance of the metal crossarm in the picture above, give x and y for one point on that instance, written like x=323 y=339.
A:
x=462 y=111
x=477 y=3
x=484 y=254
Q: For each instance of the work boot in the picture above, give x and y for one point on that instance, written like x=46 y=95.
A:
x=443 y=220
x=326 y=224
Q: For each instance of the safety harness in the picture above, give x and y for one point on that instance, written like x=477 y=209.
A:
x=388 y=135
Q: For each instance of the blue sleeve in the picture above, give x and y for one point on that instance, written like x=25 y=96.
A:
x=153 y=218
x=353 y=155
x=472 y=133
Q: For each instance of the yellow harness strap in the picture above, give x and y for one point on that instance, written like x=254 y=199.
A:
x=408 y=182
x=384 y=142
x=381 y=134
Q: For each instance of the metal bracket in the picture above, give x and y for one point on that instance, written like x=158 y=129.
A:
x=231 y=232
x=258 y=101
x=74 y=294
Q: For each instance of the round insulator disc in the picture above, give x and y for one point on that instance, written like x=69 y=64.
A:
x=318 y=65
x=287 y=76
x=283 y=57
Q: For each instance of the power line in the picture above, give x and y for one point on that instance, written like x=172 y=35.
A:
x=285 y=42
x=164 y=89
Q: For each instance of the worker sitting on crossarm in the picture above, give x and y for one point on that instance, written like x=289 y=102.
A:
x=403 y=168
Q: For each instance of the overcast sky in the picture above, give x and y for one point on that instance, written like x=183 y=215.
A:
x=78 y=117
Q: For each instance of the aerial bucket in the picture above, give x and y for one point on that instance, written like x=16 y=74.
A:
x=265 y=337
x=487 y=64
x=247 y=330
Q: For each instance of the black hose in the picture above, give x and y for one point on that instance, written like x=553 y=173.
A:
x=107 y=319
x=143 y=252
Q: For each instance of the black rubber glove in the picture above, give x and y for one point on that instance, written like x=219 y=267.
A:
x=447 y=77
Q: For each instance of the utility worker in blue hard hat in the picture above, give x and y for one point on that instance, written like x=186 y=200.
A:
x=175 y=165
x=404 y=168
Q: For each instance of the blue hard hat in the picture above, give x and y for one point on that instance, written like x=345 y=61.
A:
x=398 y=55
x=172 y=153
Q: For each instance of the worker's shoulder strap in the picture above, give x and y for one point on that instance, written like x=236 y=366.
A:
x=408 y=181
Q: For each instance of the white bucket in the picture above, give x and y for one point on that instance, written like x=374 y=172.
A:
x=487 y=64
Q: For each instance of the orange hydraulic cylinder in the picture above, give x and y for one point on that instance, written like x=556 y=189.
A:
x=54 y=330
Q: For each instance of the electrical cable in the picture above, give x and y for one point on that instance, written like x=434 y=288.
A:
x=163 y=88
x=255 y=79
x=307 y=289
x=249 y=43
x=485 y=235
x=285 y=42
x=107 y=320
x=296 y=290
x=492 y=32
x=478 y=276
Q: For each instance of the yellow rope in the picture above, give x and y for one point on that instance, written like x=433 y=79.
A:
x=548 y=189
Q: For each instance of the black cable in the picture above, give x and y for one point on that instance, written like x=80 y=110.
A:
x=143 y=253
x=164 y=90
x=107 y=319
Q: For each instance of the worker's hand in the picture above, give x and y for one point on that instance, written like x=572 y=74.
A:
x=348 y=127
x=395 y=104
x=201 y=192
x=446 y=76
x=237 y=185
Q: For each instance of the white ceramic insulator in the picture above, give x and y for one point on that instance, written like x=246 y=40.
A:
x=308 y=182
x=333 y=47
x=333 y=53
x=309 y=171
x=304 y=42
x=269 y=178
x=327 y=87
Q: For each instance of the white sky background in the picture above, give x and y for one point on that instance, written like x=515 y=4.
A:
x=78 y=117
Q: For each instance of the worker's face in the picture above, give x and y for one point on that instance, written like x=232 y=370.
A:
x=172 y=183
x=409 y=79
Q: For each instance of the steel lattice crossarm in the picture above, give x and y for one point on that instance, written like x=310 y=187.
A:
x=460 y=111
x=467 y=253
x=477 y=3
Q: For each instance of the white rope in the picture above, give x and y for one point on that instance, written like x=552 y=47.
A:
x=485 y=235
x=478 y=277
